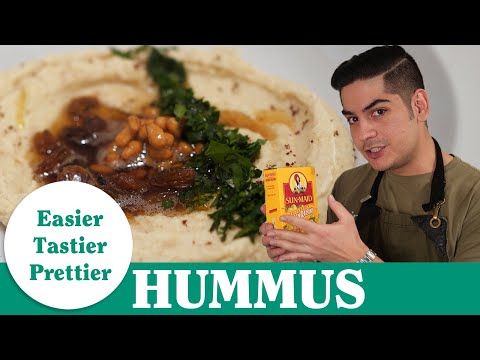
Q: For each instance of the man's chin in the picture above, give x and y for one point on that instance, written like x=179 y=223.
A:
x=379 y=166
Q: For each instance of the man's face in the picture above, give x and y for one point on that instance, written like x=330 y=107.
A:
x=380 y=123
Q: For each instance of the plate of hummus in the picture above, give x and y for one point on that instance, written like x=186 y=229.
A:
x=177 y=136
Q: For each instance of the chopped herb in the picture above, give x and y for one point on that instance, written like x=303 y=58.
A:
x=129 y=54
x=225 y=175
x=167 y=204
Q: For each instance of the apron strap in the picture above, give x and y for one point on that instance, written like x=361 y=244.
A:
x=437 y=191
x=375 y=187
x=369 y=210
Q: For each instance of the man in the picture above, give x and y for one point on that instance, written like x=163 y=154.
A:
x=411 y=202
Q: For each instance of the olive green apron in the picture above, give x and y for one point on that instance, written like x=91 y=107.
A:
x=402 y=237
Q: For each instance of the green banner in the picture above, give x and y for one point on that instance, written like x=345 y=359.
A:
x=272 y=288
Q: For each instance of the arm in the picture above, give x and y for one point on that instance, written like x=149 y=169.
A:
x=468 y=243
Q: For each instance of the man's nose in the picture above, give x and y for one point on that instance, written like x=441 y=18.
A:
x=366 y=129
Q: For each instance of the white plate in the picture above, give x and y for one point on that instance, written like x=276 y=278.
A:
x=451 y=74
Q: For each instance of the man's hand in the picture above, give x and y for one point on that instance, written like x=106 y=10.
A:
x=339 y=241
x=272 y=251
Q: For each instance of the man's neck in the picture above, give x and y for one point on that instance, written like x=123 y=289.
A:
x=424 y=162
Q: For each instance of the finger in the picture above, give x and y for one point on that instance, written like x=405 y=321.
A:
x=295 y=257
x=301 y=223
x=275 y=252
x=289 y=245
x=266 y=240
x=338 y=209
x=262 y=229
x=262 y=209
x=265 y=227
x=287 y=235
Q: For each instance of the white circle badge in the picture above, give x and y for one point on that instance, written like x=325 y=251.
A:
x=68 y=245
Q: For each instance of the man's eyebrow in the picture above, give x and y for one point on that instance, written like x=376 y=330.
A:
x=368 y=107
x=373 y=103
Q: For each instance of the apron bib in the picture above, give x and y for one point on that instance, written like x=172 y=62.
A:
x=401 y=237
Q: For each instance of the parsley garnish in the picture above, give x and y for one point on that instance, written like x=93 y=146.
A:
x=226 y=177
x=167 y=204
x=129 y=54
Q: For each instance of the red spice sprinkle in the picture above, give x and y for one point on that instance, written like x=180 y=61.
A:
x=294 y=110
x=305 y=123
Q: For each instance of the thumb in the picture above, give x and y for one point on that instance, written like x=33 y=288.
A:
x=338 y=209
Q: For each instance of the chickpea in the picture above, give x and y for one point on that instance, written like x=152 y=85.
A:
x=150 y=111
x=133 y=148
x=134 y=123
x=169 y=139
x=101 y=169
x=162 y=154
x=174 y=127
x=123 y=137
x=184 y=148
x=142 y=132
x=156 y=136
x=112 y=156
x=161 y=121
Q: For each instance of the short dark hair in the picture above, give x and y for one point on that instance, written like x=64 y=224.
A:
x=401 y=74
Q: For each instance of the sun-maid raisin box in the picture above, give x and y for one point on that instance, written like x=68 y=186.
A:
x=290 y=191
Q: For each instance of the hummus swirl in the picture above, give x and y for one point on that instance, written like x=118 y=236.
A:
x=300 y=128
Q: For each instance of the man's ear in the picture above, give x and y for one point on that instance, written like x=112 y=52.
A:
x=420 y=105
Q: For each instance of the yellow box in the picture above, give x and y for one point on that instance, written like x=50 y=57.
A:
x=290 y=191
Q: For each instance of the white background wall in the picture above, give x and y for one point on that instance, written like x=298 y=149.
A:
x=451 y=74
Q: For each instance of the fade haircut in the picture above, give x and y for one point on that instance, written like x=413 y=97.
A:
x=401 y=74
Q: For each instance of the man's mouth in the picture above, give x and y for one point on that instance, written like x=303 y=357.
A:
x=375 y=152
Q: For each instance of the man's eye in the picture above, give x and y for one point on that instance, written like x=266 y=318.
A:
x=379 y=112
x=352 y=120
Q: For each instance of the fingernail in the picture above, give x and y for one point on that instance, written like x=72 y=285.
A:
x=283 y=218
x=271 y=233
x=332 y=197
x=273 y=242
